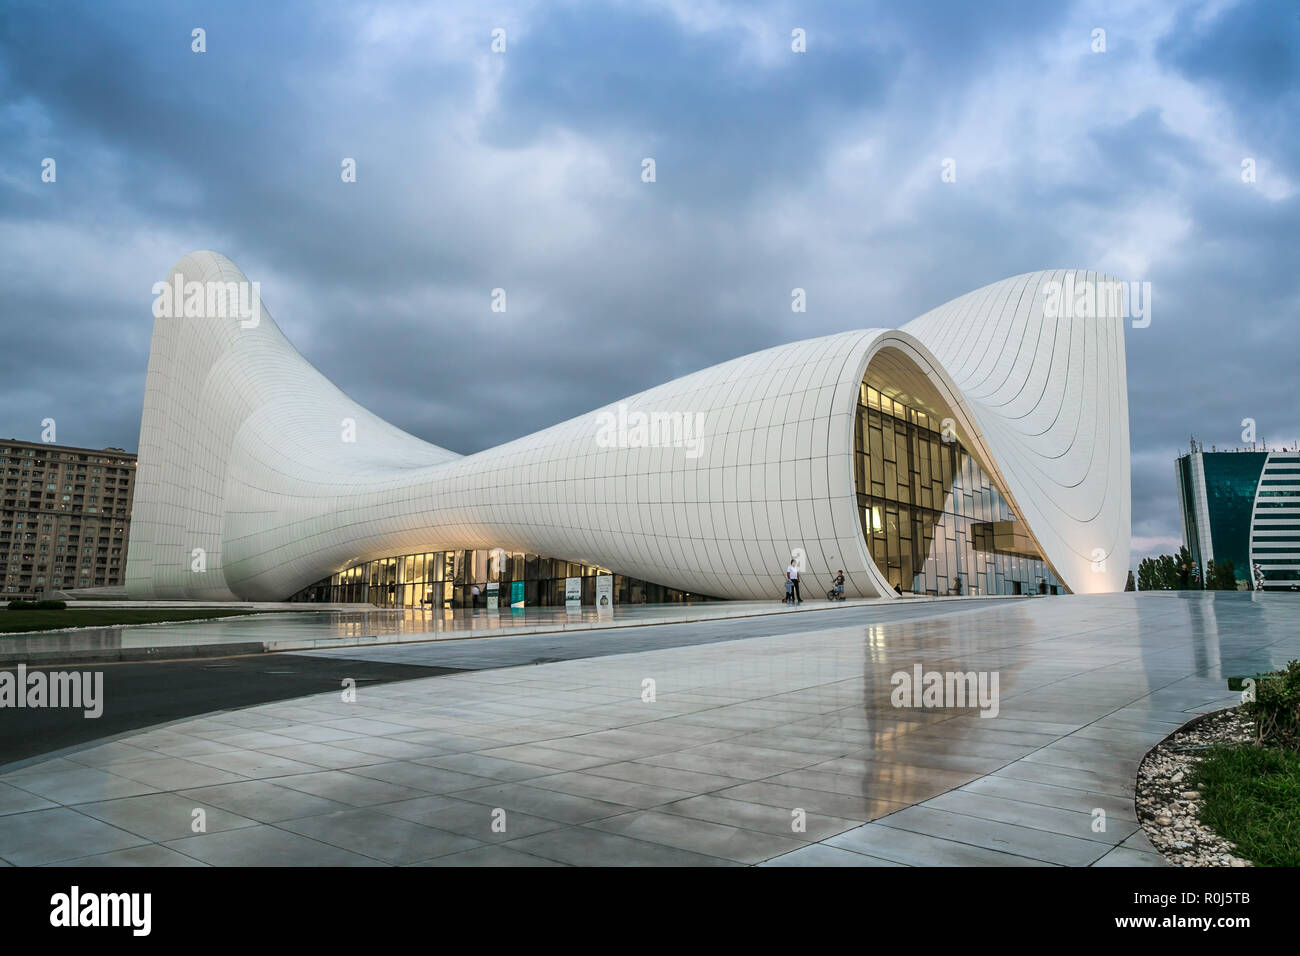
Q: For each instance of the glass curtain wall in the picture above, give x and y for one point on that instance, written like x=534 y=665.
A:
x=442 y=579
x=1230 y=484
x=934 y=522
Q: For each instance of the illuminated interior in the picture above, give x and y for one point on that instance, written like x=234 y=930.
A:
x=934 y=522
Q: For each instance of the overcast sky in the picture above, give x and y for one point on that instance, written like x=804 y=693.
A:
x=522 y=170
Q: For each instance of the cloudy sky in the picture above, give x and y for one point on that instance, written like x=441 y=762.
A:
x=522 y=170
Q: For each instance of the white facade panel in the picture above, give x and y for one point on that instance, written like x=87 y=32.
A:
x=252 y=460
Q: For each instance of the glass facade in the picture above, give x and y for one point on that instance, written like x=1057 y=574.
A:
x=1230 y=483
x=1227 y=496
x=1187 y=500
x=933 y=521
x=445 y=579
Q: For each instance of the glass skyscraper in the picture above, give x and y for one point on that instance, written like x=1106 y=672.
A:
x=1243 y=507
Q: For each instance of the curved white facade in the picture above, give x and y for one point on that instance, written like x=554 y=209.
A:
x=1275 y=523
x=257 y=476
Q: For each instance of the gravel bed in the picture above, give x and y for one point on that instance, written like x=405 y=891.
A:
x=1168 y=810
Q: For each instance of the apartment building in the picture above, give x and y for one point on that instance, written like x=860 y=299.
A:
x=65 y=514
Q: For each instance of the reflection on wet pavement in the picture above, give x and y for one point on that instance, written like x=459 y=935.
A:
x=785 y=749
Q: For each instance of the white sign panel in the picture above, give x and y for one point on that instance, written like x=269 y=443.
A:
x=604 y=592
x=572 y=592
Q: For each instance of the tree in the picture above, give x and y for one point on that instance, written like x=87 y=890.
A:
x=1128 y=585
x=1166 y=572
x=1220 y=576
x=1147 y=575
x=1157 y=574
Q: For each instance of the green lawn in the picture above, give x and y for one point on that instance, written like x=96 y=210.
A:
x=19 y=621
x=1252 y=797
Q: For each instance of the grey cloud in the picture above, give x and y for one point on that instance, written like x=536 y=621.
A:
x=614 y=285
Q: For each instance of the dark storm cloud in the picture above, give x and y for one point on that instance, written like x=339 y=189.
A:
x=1251 y=53
x=522 y=171
x=600 y=70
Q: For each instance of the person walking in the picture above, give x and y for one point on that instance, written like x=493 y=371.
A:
x=792 y=575
x=474 y=593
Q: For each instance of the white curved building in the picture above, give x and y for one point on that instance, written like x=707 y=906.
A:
x=1275 y=523
x=258 y=478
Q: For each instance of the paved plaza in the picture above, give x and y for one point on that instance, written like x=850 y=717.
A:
x=301 y=627
x=778 y=749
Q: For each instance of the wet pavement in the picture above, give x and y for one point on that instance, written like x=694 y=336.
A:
x=141 y=694
x=365 y=625
x=779 y=749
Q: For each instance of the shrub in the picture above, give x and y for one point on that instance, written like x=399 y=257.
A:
x=38 y=605
x=1276 y=708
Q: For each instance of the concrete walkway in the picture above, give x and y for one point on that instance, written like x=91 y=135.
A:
x=780 y=750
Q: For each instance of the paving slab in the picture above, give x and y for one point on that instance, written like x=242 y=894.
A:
x=759 y=745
